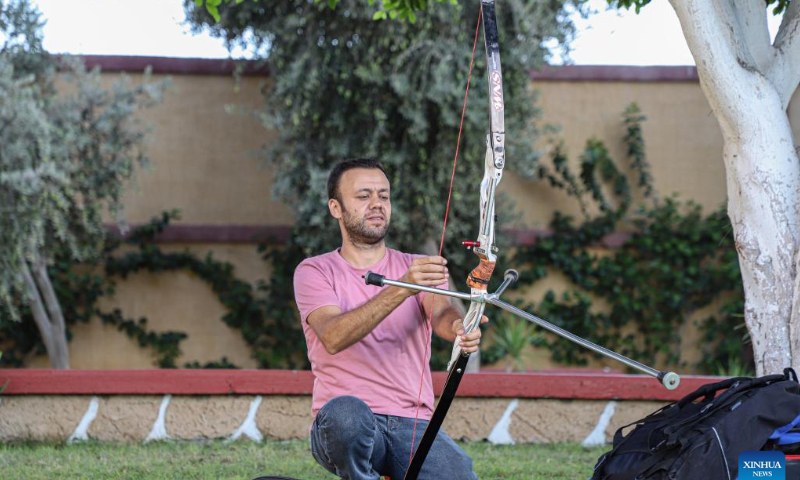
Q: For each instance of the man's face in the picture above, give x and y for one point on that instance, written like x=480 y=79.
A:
x=365 y=207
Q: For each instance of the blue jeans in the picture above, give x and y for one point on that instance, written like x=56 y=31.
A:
x=354 y=443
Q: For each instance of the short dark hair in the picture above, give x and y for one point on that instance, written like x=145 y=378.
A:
x=345 y=165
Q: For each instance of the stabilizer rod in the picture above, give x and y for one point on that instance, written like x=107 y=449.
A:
x=670 y=380
x=372 y=278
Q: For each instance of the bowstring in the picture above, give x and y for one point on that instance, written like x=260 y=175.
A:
x=429 y=323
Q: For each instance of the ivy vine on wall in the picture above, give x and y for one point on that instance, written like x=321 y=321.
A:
x=275 y=339
x=675 y=262
x=79 y=287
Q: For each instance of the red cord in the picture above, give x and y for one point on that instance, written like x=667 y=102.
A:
x=444 y=229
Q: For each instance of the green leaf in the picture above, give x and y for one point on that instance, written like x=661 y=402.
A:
x=212 y=10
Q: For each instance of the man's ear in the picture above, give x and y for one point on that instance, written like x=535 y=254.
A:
x=335 y=208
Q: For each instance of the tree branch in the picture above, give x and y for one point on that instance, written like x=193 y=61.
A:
x=39 y=315
x=789 y=24
x=784 y=70
x=752 y=19
x=59 y=330
x=726 y=67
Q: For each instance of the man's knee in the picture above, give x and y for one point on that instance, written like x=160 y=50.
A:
x=343 y=437
x=348 y=416
x=447 y=456
x=462 y=469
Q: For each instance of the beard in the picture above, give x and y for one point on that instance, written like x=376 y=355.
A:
x=360 y=233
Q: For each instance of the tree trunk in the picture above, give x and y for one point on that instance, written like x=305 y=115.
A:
x=748 y=84
x=61 y=350
x=50 y=322
x=763 y=185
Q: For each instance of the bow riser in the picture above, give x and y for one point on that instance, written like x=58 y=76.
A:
x=485 y=247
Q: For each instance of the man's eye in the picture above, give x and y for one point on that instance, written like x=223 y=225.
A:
x=385 y=198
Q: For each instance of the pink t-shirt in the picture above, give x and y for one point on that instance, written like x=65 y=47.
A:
x=383 y=369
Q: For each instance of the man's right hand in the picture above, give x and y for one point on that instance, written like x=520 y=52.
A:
x=427 y=271
x=338 y=330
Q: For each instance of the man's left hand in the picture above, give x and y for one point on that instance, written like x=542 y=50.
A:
x=469 y=342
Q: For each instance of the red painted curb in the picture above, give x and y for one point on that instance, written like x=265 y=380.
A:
x=155 y=382
x=578 y=386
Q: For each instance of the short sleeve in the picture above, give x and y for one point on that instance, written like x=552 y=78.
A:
x=312 y=289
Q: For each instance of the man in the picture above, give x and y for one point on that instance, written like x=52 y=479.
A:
x=369 y=346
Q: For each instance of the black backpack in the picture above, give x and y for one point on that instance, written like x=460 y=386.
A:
x=702 y=440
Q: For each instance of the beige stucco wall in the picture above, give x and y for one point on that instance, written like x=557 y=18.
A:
x=204 y=146
x=205 y=163
x=683 y=141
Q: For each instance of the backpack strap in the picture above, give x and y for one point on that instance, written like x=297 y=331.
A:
x=619 y=441
x=663 y=411
x=676 y=433
x=658 y=460
x=742 y=385
x=708 y=391
x=782 y=434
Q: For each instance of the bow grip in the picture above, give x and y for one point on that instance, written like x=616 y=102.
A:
x=372 y=278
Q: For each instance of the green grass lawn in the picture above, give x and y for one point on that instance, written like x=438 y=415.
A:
x=246 y=460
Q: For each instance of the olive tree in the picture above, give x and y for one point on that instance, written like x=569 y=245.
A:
x=66 y=155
